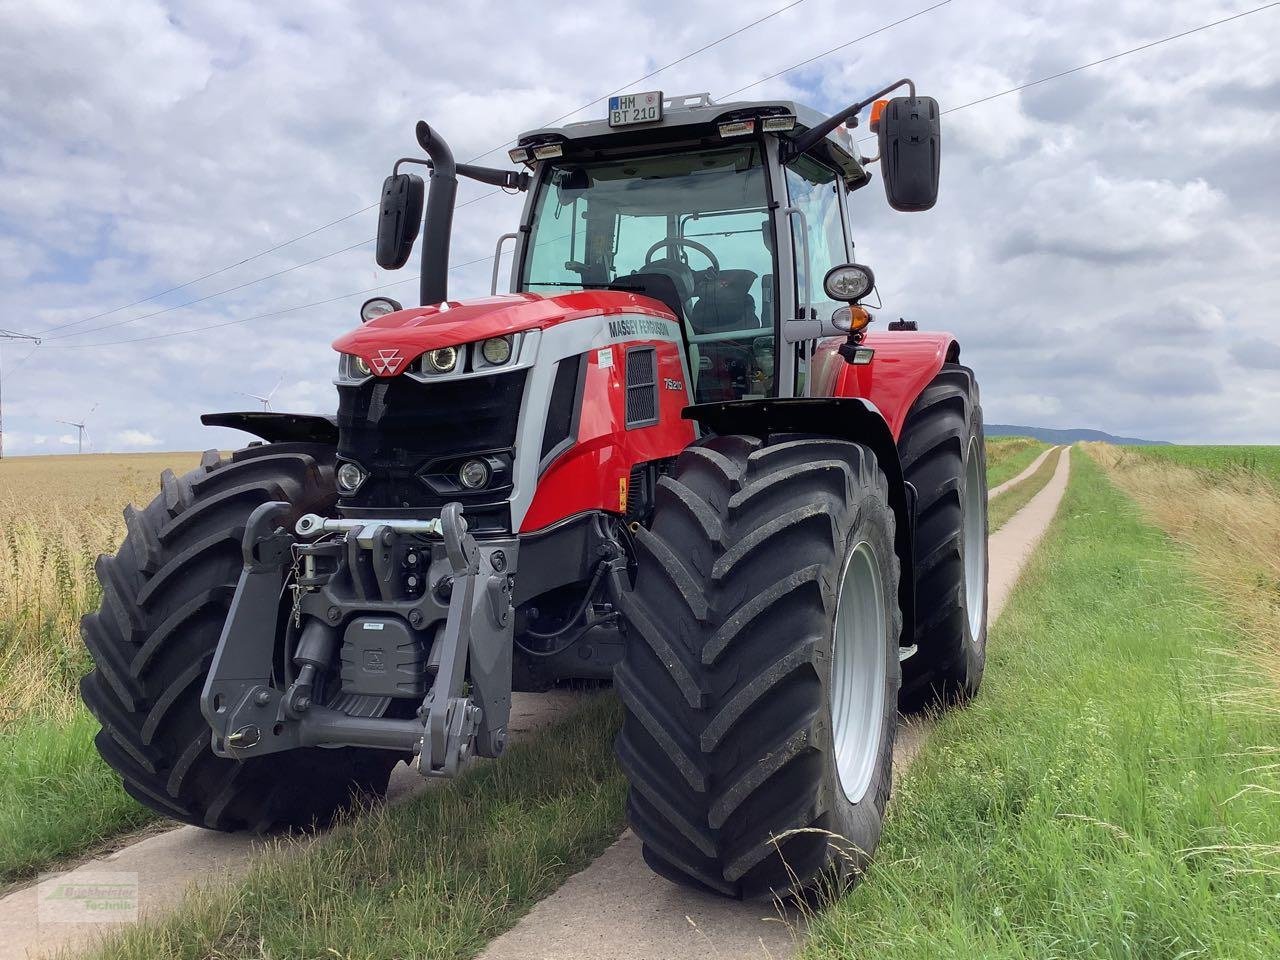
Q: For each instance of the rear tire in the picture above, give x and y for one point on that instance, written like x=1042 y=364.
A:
x=943 y=454
x=165 y=597
x=729 y=739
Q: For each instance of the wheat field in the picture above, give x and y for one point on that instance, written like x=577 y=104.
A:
x=57 y=514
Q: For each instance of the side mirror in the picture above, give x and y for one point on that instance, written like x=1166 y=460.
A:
x=910 y=132
x=399 y=218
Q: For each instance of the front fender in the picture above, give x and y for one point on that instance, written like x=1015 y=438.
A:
x=278 y=427
x=847 y=418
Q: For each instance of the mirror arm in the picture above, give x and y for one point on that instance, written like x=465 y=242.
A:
x=814 y=135
x=506 y=179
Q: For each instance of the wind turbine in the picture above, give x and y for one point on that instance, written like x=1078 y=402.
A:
x=265 y=401
x=82 y=434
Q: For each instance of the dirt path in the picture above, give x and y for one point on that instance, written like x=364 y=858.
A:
x=1013 y=482
x=165 y=864
x=617 y=909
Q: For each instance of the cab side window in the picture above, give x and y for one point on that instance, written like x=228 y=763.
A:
x=812 y=189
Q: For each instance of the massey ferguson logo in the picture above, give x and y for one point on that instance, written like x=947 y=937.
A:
x=386 y=362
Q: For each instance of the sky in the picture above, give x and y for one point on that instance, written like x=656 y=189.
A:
x=1106 y=246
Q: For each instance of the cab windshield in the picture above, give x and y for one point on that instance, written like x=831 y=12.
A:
x=699 y=219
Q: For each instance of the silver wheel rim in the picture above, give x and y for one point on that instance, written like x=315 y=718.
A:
x=975 y=544
x=858 y=664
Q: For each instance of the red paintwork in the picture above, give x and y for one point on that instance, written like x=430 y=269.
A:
x=419 y=329
x=903 y=365
x=593 y=473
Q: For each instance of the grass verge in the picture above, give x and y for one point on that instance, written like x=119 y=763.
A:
x=1227 y=518
x=1106 y=796
x=1009 y=456
x=1015 y=498
x=437 y=876
x=57 y=798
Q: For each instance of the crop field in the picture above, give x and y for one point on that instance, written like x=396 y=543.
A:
x=57 y=514
x=1243 y=461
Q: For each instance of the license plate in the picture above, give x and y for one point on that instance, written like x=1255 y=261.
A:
x=632 y=108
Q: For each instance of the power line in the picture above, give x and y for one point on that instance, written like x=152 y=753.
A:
x=189 y=303
x=332 y=223
x=1093 y=63
x=972 y=103
x=805 y=63
x=211 y=273
x=654 y=73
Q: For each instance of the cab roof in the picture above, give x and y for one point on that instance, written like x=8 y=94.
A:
x=690 y=119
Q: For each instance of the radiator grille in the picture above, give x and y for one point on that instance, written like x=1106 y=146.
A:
x=395 y=427
x=642 y=387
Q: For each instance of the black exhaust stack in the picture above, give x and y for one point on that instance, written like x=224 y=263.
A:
x=401 y=210
x=437 y=227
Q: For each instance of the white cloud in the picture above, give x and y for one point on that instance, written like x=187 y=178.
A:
x=136 y=440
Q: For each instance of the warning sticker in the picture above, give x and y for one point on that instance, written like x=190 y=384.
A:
x=604 y=356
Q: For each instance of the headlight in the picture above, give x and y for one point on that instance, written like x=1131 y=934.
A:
x=376 y=307
x=361 y=366
x=350 y=476
x=496 y=350
x=443 y=359
x=849 y=282
x=474 y=474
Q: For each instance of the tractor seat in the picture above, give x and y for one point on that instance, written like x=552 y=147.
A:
x=724 y=302
x=660 y=286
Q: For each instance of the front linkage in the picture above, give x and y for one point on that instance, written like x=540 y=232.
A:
x=359 y=586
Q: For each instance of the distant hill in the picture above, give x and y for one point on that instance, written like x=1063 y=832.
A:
x=1066 y=436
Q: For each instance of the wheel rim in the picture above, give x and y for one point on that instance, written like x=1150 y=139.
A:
x=858 y=663
x=975 y=544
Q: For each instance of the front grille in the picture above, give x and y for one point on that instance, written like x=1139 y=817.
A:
x=397 y=428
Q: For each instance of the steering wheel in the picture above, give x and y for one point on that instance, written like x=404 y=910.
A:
x=682 y=242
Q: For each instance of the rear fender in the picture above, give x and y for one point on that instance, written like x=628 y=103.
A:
x=847 y=418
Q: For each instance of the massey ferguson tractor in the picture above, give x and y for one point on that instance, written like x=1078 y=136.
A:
x=675 y=456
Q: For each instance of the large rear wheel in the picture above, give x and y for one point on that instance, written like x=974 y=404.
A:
x=760 y=677
x=165 y=597
x=943 y=454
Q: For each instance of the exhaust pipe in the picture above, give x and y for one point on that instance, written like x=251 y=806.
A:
x=437 y=226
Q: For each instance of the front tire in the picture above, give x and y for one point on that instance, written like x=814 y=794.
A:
x=943 y=453
x=765 y=592
x=165 y=597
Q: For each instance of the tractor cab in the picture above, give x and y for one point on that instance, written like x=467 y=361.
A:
x=701 y=208
x=734 y=216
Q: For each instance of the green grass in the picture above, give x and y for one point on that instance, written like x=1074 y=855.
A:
x=437 y=876
x=1009 y=456
x=1015 y=498
x=57 y=797
x=1108 y=795
x=1264 y=461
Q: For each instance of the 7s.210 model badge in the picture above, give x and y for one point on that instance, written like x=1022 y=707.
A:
x=671 y=384
x=387 y=361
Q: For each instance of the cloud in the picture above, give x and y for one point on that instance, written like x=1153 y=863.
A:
x=1093 y=236
x=1257 y=354
x=137 y=440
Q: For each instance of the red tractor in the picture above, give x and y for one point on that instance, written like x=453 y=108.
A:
x=673 y=457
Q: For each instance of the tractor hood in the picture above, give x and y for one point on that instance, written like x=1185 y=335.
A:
x=413 y=331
